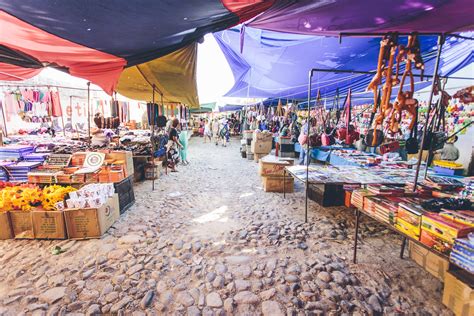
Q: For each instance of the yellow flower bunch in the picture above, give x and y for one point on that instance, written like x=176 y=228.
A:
x=20 y=198
x=54 y=194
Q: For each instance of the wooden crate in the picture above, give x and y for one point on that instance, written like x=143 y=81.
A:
x=22 y=225
x=431 y=262
x=48 y=224
x=5 y=227
x=92 y=222
x=271 y=166
x=458 y=294
x=276 y=184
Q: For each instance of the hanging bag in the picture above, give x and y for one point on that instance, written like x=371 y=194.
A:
x=411 y=144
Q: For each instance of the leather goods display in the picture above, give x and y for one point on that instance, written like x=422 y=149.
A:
x=405 y=101
x=411 y=144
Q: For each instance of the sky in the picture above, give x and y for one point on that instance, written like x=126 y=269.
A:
x=214 y=77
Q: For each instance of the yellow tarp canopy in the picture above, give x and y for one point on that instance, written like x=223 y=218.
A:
x=174 y=75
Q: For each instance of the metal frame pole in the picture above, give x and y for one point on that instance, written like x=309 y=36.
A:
x=307 y=148
x=89 y=111
x=441 y=40
x=4 y=121
x=152 y=126
x=356 y=235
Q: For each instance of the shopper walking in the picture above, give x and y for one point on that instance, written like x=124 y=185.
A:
x=207 y=131
x=215 y=131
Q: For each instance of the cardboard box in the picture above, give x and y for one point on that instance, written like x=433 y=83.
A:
x=92 y=222
x=48 y=224
x=126 y=157
x=276 y=184
x=347 y=198
x=444 y=228
x=262 y=136
x=261 y=147
x=271 y=166
x=22 y=225
x=5 y=227
x=457 y=295
x=431 y=262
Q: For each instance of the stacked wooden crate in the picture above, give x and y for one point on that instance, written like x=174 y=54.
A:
x=271 y=169
x=261 y=144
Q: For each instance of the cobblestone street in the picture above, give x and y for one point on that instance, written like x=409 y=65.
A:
x=209 y=241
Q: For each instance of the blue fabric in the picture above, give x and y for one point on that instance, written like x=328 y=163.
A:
x=336 y=160
x=275 y=65
x=320 y=155
x=138 y=30
x=297 y=147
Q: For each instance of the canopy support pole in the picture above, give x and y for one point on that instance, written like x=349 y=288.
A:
x=152 y=126
x=89 y=111
x=441 y=39
x=307 y=147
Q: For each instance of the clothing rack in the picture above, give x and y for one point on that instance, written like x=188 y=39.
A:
x=31 y=85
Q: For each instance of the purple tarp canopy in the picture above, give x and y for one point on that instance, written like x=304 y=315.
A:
x=332 y=17
x=276 y=65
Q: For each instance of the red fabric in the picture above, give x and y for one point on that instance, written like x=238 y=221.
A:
x=15 y=73
x=247 y=9
x=100 y=68
x=56 y=110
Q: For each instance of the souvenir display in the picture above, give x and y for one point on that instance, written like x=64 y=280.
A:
x=462 y=254
x=445 y=228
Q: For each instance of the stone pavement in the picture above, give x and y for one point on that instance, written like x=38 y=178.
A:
x=209 y=241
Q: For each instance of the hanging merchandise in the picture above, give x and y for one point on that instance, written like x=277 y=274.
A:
x=374 y=133
x=466 y=95
x=347 y=133
x=55 y=101
x=114 y=108
x=405 y=101
x=106 y=122
x=411 y=143
x=388 y=49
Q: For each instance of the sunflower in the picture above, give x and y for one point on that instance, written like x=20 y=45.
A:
x=54 y=194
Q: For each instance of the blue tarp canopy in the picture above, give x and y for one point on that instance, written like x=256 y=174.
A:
x=275 y=65
x=230 y=107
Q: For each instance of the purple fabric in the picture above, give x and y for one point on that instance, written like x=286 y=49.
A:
x=275 y=65
x=333 y=17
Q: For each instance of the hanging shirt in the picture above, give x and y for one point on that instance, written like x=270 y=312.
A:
x=55 y=104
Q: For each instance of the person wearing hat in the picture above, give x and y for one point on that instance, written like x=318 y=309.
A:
x=449 y=151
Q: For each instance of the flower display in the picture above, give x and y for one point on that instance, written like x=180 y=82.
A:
x=24 y=197
x=54 y=194
x=20 y=197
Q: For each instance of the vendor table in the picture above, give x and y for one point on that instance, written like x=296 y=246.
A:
x=465 y=275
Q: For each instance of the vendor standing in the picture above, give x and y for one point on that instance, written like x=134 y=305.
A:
x=449 y=151
x=303 y=140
